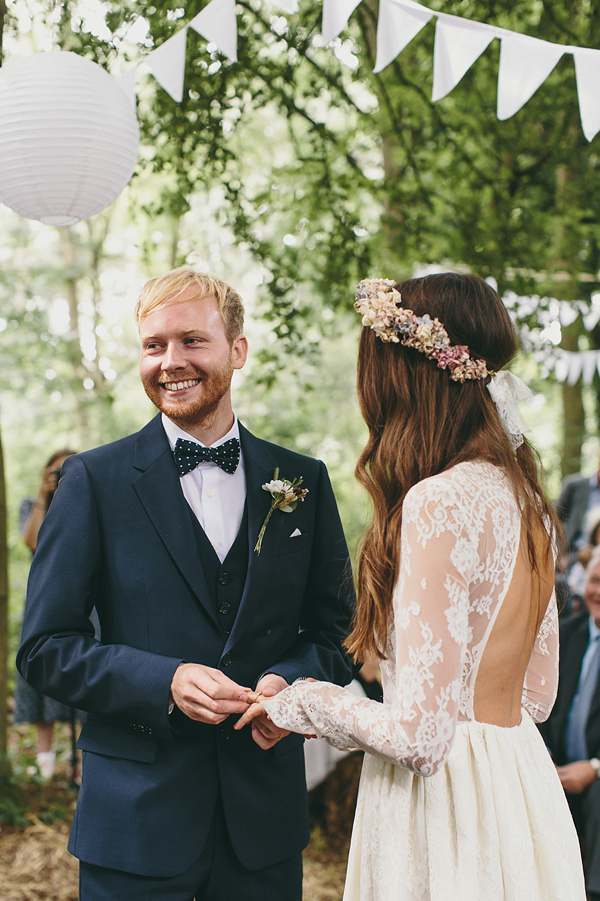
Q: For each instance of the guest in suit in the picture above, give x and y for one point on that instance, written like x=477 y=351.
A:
x=159 y=531
x=572 y=732
x=579 y=494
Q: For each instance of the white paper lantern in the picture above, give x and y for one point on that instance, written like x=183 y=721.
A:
x=68 y=137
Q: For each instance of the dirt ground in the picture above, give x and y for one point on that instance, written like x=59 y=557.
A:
x=36 y=866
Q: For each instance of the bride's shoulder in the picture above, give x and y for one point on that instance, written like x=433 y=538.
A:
x=460 y=485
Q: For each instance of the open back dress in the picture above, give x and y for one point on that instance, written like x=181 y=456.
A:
x=459 y=799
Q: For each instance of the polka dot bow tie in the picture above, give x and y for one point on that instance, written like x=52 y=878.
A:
x=188 y=455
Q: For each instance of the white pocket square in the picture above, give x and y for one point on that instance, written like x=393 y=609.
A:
x=295 y=533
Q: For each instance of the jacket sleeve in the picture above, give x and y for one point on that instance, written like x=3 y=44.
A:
x=59 y=654
x=328 y=600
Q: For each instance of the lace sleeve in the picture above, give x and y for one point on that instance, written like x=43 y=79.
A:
x=541 y=679
x=415 y=725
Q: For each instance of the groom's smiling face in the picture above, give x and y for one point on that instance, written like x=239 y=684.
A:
x=186 y=361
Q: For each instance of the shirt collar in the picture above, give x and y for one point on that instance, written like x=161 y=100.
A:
x=174 y=432
x=594 y=630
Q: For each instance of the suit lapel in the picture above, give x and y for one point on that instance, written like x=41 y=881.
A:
x=159 y=490
x=260 y=465
x=571 y=666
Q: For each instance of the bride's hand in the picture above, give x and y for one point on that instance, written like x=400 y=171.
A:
x=255 y=709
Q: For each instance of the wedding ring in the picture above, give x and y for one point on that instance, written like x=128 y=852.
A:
x=253 y=697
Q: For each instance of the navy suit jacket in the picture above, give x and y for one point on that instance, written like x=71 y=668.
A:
x=574 y=639
x=118 y=537
x=571 y=507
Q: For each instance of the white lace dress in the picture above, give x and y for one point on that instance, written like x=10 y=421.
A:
x=450 y=809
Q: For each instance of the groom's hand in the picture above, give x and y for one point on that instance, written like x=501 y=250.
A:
x=206 y=694
x=264 y=732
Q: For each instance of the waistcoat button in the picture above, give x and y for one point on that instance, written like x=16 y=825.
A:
x=224 y=578
x=224 y=608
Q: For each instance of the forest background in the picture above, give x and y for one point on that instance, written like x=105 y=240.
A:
x=292 y=174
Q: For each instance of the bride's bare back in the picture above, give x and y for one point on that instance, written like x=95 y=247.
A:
x=499 y=685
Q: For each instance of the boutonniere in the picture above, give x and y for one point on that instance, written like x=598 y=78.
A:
x=284 y=496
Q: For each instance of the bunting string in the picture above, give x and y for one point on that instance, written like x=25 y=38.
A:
x=525 y=61
x=540 y=321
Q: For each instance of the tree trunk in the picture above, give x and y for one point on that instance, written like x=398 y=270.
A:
x=3 y=611
x=573 y=415
x=3 y=555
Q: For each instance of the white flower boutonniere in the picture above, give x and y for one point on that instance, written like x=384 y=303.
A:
x=285 y=496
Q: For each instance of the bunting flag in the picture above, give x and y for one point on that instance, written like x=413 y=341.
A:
x=525 y=62
x=569 y=366
x=587 y=74
x=539 y=337
x=291 y=6
x=335 y=17
x=217 y=23
x=457 y=45
x=396 y=27
x=167 y=64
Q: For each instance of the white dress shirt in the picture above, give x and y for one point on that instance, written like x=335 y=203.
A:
x=217 y=498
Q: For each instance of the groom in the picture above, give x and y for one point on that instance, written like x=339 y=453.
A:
x=158 y=532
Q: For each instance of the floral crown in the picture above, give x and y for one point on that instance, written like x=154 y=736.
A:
x=379 y=304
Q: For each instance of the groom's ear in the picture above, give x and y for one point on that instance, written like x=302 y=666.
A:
x=239 y=351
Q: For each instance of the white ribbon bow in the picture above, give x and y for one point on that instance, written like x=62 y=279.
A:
x=506 y=390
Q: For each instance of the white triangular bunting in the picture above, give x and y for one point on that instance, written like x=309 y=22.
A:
x=575 y=362
x=167 y=64
x=217 y=23
x=587 y=74
x=458 y=44
x=567 y=313
x=128 y=82
x=590 y=359
x=335 y=17
x=525 y=63
x=591 y=318
x=396 y=27
x=288 y=6
x=561 y=367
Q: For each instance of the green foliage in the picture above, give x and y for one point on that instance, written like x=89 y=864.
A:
x=13 y=805
x=24 y=793
x=312 y=408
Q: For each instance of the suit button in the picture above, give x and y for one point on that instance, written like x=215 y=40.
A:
x=226 y=659
x=224 y=608
x=224 y=578
x=225 y=734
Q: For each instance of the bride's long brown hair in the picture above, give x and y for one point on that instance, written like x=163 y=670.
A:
x=421 y=423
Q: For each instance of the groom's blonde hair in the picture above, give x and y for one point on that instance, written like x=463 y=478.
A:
x=168 y=288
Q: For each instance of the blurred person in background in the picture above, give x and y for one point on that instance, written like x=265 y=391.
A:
x=32 y=706
x=572 y=731
x=577 y=573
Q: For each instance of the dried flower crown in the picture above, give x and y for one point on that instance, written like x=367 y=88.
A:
x=379 y=304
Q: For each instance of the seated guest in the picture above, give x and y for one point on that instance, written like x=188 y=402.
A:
x=572 y=732
x=576 y=578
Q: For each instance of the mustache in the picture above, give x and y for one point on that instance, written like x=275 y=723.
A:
x=165 y=377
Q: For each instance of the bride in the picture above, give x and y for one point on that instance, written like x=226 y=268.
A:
x=459 y=800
